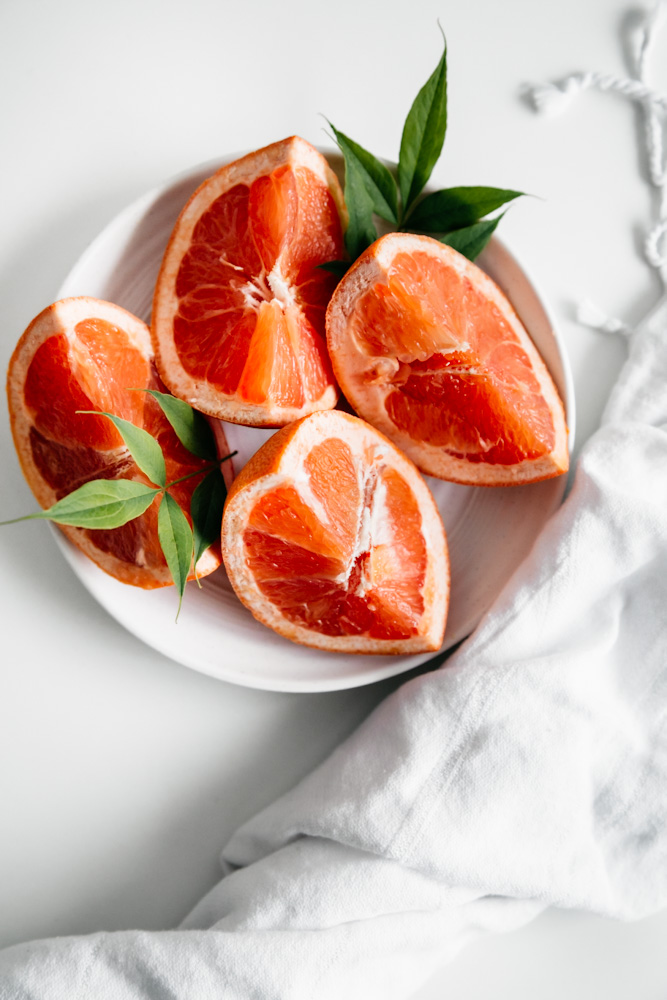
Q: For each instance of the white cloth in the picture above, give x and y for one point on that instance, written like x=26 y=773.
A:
x=530 y=770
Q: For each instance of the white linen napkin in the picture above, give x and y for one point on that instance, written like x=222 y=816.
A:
x=530 y=770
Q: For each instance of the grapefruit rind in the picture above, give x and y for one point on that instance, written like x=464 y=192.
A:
x=198 y=393
x=61 y=318
x=373 y=266
x=279 y=463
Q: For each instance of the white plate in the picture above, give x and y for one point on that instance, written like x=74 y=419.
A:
x=489 y=530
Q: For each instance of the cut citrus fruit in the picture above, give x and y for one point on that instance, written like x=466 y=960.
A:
x=240 y=301
x=331 y=537
x=427 y=349
x=83 y=354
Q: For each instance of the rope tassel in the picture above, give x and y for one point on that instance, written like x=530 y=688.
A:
x=588 y=314
x=551 y=98
x=555 y=97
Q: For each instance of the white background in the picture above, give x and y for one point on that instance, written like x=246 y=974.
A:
x=122 y=774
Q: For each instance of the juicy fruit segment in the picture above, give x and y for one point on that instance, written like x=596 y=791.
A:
x=81 y=354
x=433 y=354
x=356 y=584
x=248 y=322
x=239 y=315
x=79 y=372
x=329 y=546
x=462 y=381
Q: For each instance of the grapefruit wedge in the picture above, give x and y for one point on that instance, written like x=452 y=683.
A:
x=84 y=354
x=239 y=307
x=331 y=537
x=427 y=348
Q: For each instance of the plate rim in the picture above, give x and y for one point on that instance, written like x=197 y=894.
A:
x=85 y=568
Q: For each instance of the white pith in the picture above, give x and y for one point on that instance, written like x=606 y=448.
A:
x=282 y=291
x=372 y=530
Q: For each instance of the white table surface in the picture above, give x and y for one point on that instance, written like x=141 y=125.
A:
x=122 y=773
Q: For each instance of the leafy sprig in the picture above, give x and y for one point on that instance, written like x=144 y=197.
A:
x=457 y=216
x=111 y=503
x=423 y=134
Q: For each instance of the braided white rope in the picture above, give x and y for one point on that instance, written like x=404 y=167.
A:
x=654 y=130
x=556 y=97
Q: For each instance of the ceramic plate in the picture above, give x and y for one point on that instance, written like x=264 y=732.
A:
x=489 y=530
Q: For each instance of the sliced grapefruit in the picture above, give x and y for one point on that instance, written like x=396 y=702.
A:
x=83 y=354
x=427 y=348
x=331 y=537
x=239 y=307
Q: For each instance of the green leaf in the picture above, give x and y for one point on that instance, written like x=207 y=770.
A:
x=361 y=231
x=191 y=428
x=101 y=503
x=454 y=208
x=206 y=508
x=471 y=240
x=175 y=536
x=379 y=183
x=337 y=267
x=423 y=134
x=142 y=446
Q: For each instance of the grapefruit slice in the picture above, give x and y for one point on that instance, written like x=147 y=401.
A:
x=331 y=537
x=239 y=307
x=83 y=354
x=427 y=348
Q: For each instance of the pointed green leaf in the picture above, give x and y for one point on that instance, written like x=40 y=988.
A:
x=206 y=508
x=337 y=267
x=175 y=536
x=101 y=503
x=192 y=429
x=471 y=240
x=361 y=231
x=379 y=183
x=423 y=134
x=454 y=208
x=142 y=446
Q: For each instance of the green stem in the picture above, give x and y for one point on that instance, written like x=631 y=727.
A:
x=26 y=517
x=198 y=472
